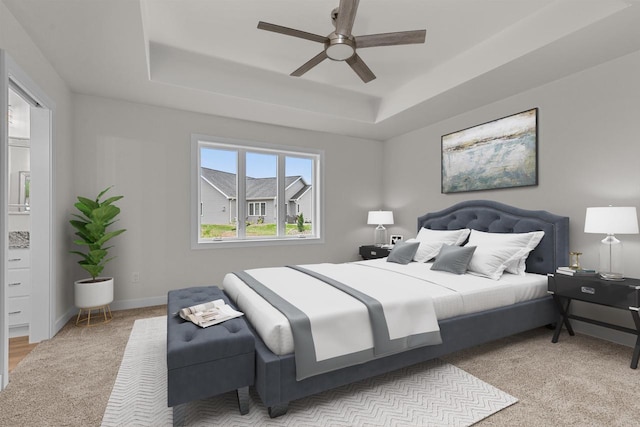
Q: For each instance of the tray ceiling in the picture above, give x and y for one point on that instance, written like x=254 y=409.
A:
x=209 y=57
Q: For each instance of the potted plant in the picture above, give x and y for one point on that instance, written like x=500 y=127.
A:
x=91 y=228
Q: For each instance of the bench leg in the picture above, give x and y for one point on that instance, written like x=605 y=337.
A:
x=179 y=415
x=243 y=400
x=278 y=410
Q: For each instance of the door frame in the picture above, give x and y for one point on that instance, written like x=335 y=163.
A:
x=43 y=300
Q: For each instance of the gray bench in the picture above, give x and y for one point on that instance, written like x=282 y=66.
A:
x=205 y=362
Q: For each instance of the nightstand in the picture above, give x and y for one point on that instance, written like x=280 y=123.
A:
x=624 y=295
x=373 y=252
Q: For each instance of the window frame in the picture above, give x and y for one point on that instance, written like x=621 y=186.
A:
x=241 y=147
x=262 y=207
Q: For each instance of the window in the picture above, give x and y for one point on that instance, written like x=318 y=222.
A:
x=257 y=208
x=252 y=193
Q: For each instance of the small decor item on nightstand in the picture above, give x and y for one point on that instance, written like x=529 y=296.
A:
x=570 y=271
x=395 y=238
x=574 y=260
x=381 y=218
x=611 y=220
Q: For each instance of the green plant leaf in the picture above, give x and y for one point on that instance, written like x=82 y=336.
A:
x=103 y=192
x=110 y=200
x=96 y=256
x=104 y=214
x=91 y=230
x=86 y=210
x=109 y=236
x=91 y=204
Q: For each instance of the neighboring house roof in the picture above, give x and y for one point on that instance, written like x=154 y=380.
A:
x=257 y=188
x=300 y=193
x=224 y=182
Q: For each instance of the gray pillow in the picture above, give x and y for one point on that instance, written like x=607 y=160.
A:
x=403 y=252
x=453 y=259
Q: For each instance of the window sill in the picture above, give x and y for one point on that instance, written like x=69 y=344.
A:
x=247 y=243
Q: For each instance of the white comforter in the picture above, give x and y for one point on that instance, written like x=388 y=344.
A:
x=451 y=295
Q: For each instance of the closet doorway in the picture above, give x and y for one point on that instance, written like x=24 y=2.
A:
x=27 y=293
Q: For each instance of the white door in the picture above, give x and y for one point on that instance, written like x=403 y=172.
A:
x=42 y=295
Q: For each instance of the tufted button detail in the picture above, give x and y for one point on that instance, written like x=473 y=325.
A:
x=232 y=328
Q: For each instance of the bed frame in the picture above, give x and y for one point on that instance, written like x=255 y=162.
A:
x=275 y=379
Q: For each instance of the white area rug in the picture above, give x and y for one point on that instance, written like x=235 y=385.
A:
x=429 y=394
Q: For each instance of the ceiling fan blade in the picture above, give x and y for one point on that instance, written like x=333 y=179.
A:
x=291 y=32
x=346 y=16
x=361 y=69
x=391 y=39
x=310 y=64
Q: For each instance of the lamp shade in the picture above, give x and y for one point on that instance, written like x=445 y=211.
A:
x=611 y=220
x=380 y=217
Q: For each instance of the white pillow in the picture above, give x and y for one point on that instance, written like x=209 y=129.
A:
x=526 y=242
x=491 y=261
x=431 y=242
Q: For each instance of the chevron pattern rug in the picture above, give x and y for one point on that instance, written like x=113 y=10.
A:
x=429 y=394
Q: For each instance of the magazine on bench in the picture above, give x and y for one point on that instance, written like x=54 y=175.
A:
x=210 y=313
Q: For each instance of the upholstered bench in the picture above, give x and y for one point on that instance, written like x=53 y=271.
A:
x=204 y=362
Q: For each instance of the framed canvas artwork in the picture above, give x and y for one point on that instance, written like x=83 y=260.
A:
x=502 y=153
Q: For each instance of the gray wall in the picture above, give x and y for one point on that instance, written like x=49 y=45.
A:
x=589 y=151
x=144 y=152
x=16 y=42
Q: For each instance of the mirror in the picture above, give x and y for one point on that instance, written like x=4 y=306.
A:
x=19 y=179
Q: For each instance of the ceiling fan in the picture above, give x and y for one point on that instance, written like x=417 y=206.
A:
x=341 y=45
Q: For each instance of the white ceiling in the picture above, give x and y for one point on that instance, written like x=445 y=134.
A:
x=208 y=56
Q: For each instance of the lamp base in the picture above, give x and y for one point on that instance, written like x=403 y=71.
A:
x=380 y=235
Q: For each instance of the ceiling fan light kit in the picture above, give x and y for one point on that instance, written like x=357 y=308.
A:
x=341 y=45
x=339 y=48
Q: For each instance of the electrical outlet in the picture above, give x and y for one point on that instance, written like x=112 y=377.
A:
x=135 y=277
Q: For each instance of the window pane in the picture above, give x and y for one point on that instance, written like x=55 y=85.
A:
x=262 y=187
x=218 y=192
x=300 y=196
x=248 y=191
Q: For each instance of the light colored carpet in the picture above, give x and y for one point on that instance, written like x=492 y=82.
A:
x=428 y=394
x=580 y=381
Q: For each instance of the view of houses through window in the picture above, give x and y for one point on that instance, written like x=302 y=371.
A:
x=242 y=182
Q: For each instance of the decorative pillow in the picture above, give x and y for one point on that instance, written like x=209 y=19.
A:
x=453 y=259
x=526 y=242
x=432 y=240
x=403 y=252
x=492 y=261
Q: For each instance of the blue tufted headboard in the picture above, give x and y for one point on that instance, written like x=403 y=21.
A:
x=494 y=217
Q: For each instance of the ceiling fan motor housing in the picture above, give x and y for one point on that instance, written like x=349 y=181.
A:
x=339 y=47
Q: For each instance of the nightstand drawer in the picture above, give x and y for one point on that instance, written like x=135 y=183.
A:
x=373 y=252
x=623 y=294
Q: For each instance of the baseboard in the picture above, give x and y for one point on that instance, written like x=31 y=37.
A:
x=116 y=305
x=62 y=320
x=138 y=303
x=18 y=331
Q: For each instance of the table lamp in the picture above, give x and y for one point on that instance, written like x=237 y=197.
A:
x=381 y=218
x=611 y=220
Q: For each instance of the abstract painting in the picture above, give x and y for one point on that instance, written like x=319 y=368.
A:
x=502 y=153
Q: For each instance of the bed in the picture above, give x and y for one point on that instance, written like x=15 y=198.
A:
x=277 y=379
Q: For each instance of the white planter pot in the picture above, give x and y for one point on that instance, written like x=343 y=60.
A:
x=90 y=294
